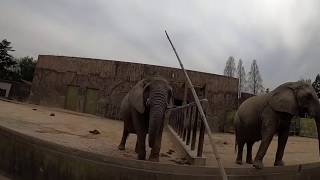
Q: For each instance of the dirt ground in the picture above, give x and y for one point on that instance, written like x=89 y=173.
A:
x=299 y=150
x=72 y=129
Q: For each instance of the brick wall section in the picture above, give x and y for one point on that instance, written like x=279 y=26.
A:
x=113 y=79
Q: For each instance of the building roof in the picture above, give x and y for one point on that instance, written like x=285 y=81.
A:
x=70 y=58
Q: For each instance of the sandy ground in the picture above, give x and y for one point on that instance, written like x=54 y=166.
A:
x=299 y=150
x=3 y=177
x=72 y=129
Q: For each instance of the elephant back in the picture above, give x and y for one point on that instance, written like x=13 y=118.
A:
x=249 y=111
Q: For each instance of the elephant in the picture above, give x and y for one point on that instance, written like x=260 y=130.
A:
x=143 y=110
x=261 y=117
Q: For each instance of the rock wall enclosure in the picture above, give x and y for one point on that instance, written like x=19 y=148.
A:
x=98 y=86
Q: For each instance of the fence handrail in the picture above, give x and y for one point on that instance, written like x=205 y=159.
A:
x=184 y=120
x=186 y=105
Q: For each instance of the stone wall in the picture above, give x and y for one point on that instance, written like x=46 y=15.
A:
x=111 y=80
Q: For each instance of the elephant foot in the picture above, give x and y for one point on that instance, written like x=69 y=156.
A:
x=279 y=163
x=154 y=158
x=239 y=162
x=142 y=156
x=249 y=161
x=121 y=147
x=258 y=164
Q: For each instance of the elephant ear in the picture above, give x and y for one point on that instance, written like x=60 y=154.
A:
x=136 y=97
x=283 y=99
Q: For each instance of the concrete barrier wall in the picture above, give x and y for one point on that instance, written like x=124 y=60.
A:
x=27 y=157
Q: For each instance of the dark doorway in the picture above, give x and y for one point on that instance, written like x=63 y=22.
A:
x=2 y=92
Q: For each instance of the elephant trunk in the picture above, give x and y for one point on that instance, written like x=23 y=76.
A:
x=158 y=106
x=318 y=130
x=316 y=115
x=317 y=119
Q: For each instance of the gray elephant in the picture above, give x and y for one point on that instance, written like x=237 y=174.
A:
x=142 y=111
x=260 y=117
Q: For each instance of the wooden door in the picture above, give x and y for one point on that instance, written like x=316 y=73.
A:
x=72 y=98
x=91 y=101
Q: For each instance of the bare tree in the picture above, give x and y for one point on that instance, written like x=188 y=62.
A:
x=308 y=81
x=254 y=79
x=230 y=68
x=241 y=74
x=316 y=85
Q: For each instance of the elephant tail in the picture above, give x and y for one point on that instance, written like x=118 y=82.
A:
x=236 y=118
x=235 y=146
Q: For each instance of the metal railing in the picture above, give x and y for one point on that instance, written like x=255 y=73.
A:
x=185 y=121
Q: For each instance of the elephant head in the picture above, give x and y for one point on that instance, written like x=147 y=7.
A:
x=152 y=97
x=297 y=98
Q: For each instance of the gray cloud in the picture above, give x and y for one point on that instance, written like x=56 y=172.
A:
x=282 y=35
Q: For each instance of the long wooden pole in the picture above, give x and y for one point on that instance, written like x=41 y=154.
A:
x=204 y=119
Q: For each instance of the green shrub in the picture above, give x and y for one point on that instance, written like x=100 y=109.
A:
x=308 y=127
x=228 y=124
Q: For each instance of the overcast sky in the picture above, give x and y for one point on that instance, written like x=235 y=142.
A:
x=282 y=35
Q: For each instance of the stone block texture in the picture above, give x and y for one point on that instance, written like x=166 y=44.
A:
x=60 y=79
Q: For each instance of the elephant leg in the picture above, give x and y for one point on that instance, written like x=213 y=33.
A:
x=240 y=152
x=136 y=149
x=268 y=131
x=123 y=139
x=141 y=139
x=282 y=141
x=265 y=142
x=138 y=124
x=249 y=152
